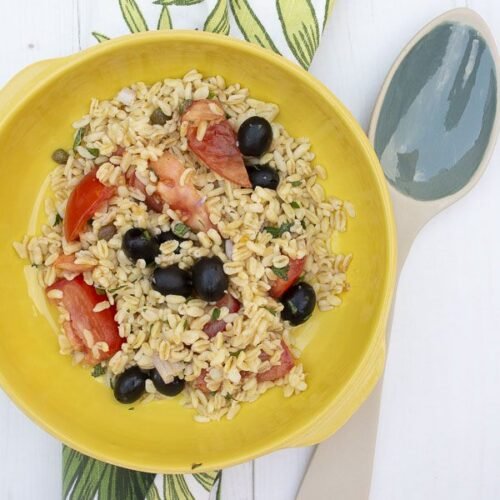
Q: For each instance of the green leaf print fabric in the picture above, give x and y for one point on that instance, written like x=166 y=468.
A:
x=291 y=28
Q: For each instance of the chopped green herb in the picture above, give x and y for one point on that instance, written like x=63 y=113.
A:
x=58 y=219
x=216 y=313
x=294 y=204
x=184 y=105
x=296 y=183
x=281 y=272
x=114 y=290
x=94 y=152
x=131 y=408
x=236 y=353
x=303 y=223
x=35 y=265
x=292 y=307
x=279 y=231
x=195 y=466
x=271 y=310
x=302 y=277
x=180 y=229
x=228 y=397
x=98 y=370
x=78 y=137
x=100 y=291
x=212 y=94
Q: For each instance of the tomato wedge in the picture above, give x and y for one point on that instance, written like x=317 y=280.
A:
x=88 y=196
x=219 y=152
x=287 y=362
x=79 y=299
x=280 y=286
x=153 y=201
x=185 y=199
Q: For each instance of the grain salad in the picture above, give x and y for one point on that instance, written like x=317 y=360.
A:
x=187 y=235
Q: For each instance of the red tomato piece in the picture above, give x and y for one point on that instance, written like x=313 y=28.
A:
x=214 y=326
x=67 y=263
x=200 y=383
x=230 y=302
x=280 y=286
x=88 y=196
x=185 y=199
x=219 y=152
x=79 y=299
x=287 y=362
x=119 y=151
x=153 y=201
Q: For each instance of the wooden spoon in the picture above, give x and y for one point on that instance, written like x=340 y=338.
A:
x=434 y=128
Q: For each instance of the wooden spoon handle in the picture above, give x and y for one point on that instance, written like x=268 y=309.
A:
x=341 y=467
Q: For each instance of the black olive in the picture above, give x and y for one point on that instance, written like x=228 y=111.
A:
x=158 y=117
x=255 y=136
x=130 y=385
x=298 y=303
x=171 y=389
x=263 y=176
x=171 y=280
x=138 y=244
x=169 y=236
x=209 y=280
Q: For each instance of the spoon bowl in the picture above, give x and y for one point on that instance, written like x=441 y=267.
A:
x=436 y=121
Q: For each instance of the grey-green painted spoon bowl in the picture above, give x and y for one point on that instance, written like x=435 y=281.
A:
x=434 y=127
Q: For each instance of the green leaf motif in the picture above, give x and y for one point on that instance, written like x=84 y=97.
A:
x=177 y=2
x=165 y=21
x=328 y=11
x=84 y=477
x=153 y=493
x=206 y=479
x=133 y=16
x=300 y=27
x=219 y=486
x=218 y=20
x=100 y=37
x=250 y=26
x=176 y=488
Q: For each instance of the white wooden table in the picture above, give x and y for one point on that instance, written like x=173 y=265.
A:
x=439 y=435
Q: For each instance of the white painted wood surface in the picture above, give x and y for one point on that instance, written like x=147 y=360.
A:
x=439 y=435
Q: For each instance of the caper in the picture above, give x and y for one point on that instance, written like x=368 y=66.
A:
x=158 y=117
x=60 y=156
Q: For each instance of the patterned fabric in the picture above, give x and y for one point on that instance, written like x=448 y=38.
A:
x=291 y=28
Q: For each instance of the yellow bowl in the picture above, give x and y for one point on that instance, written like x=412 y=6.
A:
x=343 y=349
